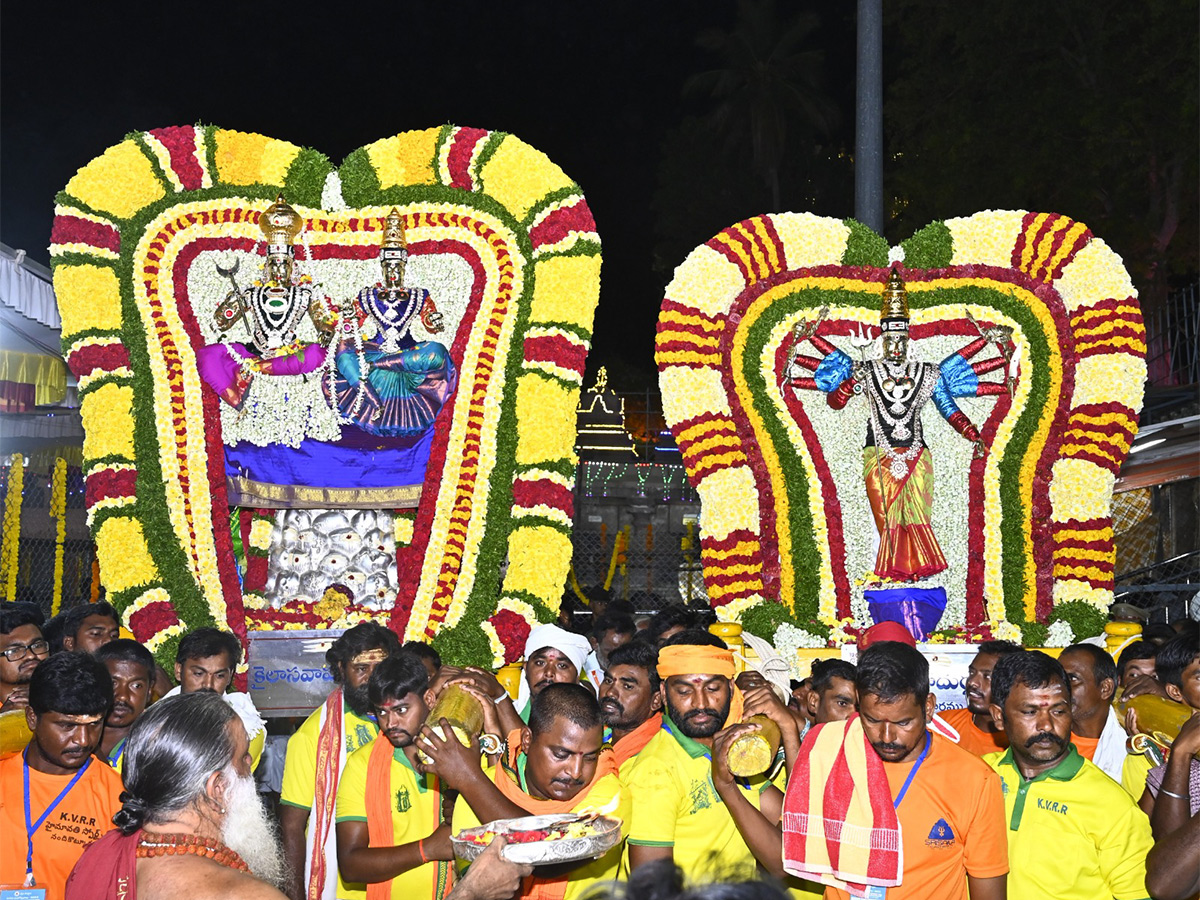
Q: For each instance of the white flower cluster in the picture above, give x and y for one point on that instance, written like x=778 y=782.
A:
x=1007 y=631
x=1060 y=634
x=789 y=640
x=331 y=193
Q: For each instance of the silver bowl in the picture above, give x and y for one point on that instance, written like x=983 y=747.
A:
x=604 y=834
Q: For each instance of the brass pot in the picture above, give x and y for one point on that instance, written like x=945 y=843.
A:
x=461 y=710
x=753 y=753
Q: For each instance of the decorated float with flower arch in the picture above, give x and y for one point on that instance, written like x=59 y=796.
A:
x=1038 y=321
x=214 y=289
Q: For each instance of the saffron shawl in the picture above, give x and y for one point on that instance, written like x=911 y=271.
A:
x=379 y=819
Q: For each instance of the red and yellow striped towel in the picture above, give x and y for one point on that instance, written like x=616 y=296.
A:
x=839 y=823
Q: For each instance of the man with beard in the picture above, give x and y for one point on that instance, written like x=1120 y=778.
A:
x=630 y=701
x=89 y=627
x=55 y=798
x=316 y=756
x=206 y=661
x=1072 y=831
x=22 y=647
x=976 y=731
x=131 y=667
x=677 y=813
x=191 y=823
x=949 y=809
x=557 y=765
x=392 y=835
x=947 y=802
x=552 y=655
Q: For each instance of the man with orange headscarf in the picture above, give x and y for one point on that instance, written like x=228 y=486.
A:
x=677 y=812
x=555 y=765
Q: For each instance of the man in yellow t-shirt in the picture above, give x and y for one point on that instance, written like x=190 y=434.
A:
x=630 y=702
x=391 y=833
x=1072 y=831
x=317 y=754
x=678 y=813
x=555 y=765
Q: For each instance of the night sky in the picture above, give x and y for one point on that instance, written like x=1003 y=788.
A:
x=594 y=86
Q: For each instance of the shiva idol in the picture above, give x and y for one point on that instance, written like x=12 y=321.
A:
x=272 y=309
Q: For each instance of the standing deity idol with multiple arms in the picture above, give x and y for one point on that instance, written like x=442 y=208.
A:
x=272 y=309
x=897 y=466
x=390 y=385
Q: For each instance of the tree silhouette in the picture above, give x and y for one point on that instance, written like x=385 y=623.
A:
x=1084 y=107
x=767 y=88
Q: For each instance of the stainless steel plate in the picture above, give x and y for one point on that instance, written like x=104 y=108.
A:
x=604 y=834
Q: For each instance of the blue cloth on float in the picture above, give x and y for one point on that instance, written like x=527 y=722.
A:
x=833 y=370
x=360 y=471
x=409 y=386
x=957 y=379
x=919 y=609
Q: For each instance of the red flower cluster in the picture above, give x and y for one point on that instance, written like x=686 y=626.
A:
x=513 y=631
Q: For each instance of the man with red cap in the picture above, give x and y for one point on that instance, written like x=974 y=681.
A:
x=894 y=631
x=885 y=631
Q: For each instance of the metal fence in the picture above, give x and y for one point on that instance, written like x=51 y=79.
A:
x=650 y=567
x=1180 y=572
x=36 y=545
x=1173 y=340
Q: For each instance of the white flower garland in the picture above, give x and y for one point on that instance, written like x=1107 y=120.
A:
x=789 y=640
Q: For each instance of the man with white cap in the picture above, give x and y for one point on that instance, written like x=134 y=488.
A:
x=551 y=654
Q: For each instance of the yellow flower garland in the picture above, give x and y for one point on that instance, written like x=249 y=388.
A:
x=12 y=527
x=58 y=511
x=1109 y=371
x=558 y=278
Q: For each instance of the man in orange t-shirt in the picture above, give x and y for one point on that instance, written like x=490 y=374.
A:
x=71 y=795
x=976 y=732
x=951 y=813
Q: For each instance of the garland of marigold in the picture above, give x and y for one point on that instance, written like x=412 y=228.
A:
x=58 y=511
x=1061 y=288
x=12 y=526
x=618 y=555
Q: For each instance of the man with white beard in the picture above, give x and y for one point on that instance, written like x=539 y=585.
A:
x=192 y=823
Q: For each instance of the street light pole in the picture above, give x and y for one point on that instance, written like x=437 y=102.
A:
x=868 y=132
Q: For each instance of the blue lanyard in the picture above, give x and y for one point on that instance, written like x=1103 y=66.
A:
x=913 y=773
x=30 y=829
